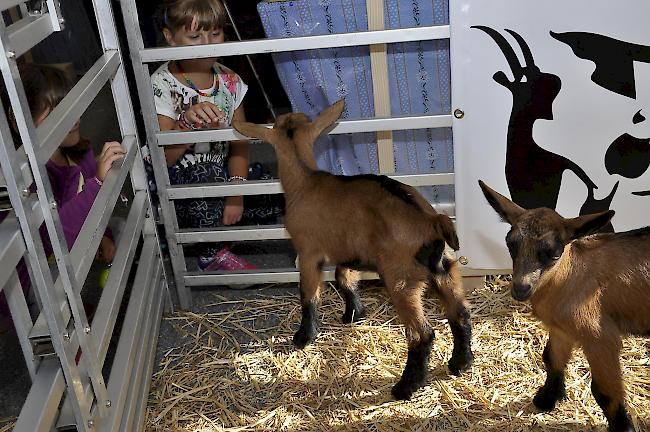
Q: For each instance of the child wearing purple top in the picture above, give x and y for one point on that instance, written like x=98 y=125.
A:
x=74 y=173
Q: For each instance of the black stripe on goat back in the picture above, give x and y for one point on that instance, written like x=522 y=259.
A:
x=393 y=186
x=639 y=232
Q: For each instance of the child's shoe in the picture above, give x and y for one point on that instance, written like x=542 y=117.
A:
x=224 y=259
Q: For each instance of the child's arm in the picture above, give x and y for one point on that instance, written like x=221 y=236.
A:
x=238 y=158
x=237 y=167
x=73 y=212
x=172 y=152
x=198 y=116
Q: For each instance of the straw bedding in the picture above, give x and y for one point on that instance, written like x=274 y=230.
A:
x=238 y=371
x=7 y=424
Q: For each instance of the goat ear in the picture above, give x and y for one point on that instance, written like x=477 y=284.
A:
x=508 y=210
x=589 y=224
x=327 y=118
x=253 y=130
x=448 y=231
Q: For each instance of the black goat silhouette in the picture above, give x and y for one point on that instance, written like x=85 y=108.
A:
x=533 y=174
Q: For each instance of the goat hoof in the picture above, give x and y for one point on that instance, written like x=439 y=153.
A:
x=403 y=390
x=620 y=422
x=628 y=428
x=546 y=398
x=352 y=316
x=304 y=337
x=459 y=363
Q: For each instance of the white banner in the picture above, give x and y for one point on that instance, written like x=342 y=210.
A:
x=556 y=103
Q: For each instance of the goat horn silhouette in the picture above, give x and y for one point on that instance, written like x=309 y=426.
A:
x=506 y=49
x=525 y=49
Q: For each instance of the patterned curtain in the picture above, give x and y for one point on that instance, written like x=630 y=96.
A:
x=419 y=77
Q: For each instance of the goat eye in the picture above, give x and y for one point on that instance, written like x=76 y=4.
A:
x=551 y=254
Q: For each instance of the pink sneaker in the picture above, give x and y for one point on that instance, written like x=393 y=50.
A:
x=228 y=261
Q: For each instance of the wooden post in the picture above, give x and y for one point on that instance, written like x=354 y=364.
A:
x=381 y=95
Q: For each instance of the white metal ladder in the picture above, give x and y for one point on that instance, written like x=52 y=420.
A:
x=65 y=394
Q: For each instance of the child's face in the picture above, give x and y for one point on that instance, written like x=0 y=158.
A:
x=193 y=36
x=71 y=139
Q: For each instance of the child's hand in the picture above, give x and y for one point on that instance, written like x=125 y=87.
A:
x=106 y=251
x=111 y=152
x=205 y=113
x=234 y=209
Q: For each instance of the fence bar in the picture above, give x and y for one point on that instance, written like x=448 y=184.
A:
x=23 y=164
x=7 y=4
x=95 y=224
x=41 y=407
x=109 y=304
x=263 y=232
x=143 y=82
x=341 y=127
x=13 y=248
x=55 y=14
x=22 y=320
x=29 y=31
x=57 y=125
x=135 y=413
x=292 y=275
x=258 y=232
x=339 y=40
x=202 y=190
x=285 y=275
x=133 y=340
x=55 y=231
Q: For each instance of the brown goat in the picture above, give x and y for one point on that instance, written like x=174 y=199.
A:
x=588 y=289
x=367 y=220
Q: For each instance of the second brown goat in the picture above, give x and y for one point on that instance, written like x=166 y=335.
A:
x=367 y=220
x=589 y=288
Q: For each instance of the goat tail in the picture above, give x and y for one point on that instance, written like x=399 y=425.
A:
x=447 y=231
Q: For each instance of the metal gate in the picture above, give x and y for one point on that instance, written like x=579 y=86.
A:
x=69 y=392
x=382 y=124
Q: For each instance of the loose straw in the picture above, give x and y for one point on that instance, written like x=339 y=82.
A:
x=237 y=370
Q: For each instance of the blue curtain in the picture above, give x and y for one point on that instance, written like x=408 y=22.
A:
x=419 y=77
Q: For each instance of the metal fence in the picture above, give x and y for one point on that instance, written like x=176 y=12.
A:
x=68 y=390
x=178 y=238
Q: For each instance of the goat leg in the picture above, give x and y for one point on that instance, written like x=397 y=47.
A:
x=553 y=389
x=557 y=354
x=347 y=281
x=619 y=421
x=447 y=284
x=415 y=372
x=406 y=295
x=603 y=355
x=461 y=356
x=310 y=276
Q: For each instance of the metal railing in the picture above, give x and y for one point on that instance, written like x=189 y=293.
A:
x=68 y=389
x=168 y=193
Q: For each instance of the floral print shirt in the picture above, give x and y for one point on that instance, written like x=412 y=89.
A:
x=172 y=97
